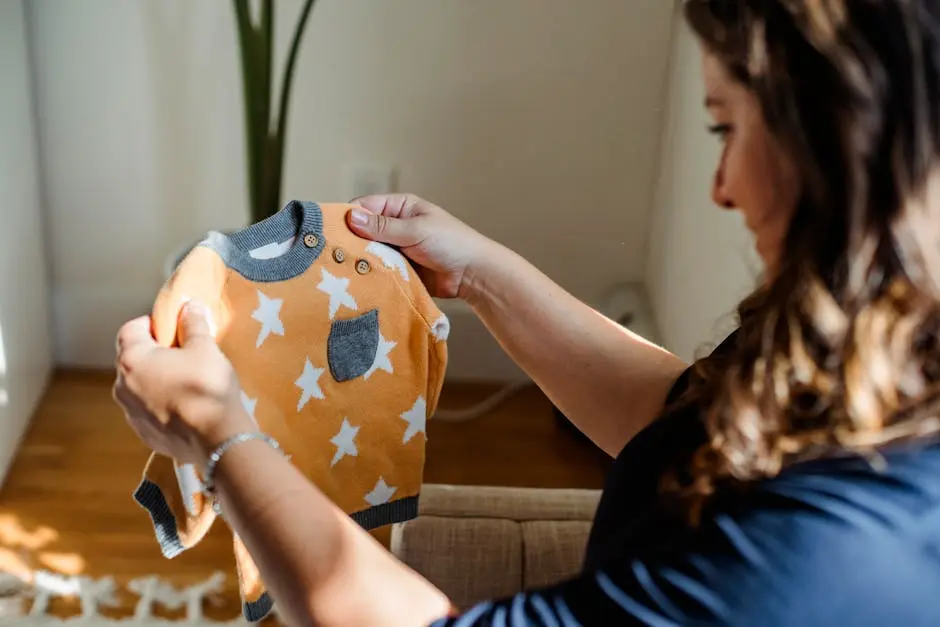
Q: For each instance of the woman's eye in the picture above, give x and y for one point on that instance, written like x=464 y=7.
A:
x=720 y=130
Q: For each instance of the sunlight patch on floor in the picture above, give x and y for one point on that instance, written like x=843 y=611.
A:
x=63 y=563
x=12 y=534
x=21 y=551
x=12 y=563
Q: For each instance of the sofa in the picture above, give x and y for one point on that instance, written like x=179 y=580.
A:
x=482 y=542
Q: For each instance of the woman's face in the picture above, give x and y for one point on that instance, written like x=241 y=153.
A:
x=753 y=175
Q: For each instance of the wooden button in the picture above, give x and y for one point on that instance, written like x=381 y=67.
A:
x=311 y=240
x=362 y=266
x=339 y=255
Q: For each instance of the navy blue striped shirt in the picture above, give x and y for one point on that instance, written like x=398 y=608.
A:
x=827 y=542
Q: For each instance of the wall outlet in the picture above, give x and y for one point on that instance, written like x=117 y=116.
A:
x=367 y=179
x=628 y=305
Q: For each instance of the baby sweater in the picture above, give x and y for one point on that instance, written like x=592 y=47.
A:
x=340 y=352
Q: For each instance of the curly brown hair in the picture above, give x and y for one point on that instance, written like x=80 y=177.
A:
x=838 y=351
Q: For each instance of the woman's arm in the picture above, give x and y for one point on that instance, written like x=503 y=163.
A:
x=608 y=380
x=320 y=567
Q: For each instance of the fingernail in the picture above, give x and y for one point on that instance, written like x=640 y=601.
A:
x=197 y=307
x=360 y=217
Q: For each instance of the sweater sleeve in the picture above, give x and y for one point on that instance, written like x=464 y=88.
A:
x=171 y=492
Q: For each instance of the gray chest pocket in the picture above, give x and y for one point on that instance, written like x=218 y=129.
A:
x=352 y=345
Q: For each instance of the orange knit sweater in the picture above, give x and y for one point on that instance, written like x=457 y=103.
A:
x=341 y=354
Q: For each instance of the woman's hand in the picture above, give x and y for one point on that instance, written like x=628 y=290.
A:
x=182 y=402
x=444 y=248
x=320 y=566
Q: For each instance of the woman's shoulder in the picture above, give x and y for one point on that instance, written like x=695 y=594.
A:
x=892 y=486
x=684 y=382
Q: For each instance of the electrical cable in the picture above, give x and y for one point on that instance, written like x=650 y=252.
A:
x=483 y=407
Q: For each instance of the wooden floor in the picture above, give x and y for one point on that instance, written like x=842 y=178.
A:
x=67 y=507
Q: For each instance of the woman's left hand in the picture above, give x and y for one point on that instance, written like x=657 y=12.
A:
x=184 y=401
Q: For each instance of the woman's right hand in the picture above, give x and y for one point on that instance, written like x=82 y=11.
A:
x=444 y=248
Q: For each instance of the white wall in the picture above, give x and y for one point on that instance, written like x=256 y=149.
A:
x=25 y=349
x=528 y=118
x=701 y=261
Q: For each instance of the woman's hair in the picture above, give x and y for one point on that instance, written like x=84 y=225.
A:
x=838 y=351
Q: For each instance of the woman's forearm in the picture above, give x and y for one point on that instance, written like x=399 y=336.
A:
x=320 y=567
x=609 y=381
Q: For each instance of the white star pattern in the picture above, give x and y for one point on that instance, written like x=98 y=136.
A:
x=189 y=485
x=337 y=289
x=441 y=328
x=249 y=404
x=381 y=493
x=268 y=314
x=344 y=442
x=309 y=384
x=416 y=418
x=390 y=257
x=381 y=360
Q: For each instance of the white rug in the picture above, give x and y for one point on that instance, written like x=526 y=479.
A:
x=97 y=594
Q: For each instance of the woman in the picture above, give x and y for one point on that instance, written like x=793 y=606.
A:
x=792 y=476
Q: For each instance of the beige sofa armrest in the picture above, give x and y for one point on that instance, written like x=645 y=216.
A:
x=481 y=542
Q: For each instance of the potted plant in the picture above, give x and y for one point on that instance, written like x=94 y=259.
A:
x=264 y=133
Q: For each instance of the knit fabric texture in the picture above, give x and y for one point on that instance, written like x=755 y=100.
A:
x=340 y=352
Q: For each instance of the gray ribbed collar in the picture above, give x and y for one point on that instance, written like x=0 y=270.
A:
x=297 y=219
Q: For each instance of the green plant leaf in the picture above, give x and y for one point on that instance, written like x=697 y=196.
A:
x=287 y=82
x=266 y=57
x=246 y=38
x=264 y=137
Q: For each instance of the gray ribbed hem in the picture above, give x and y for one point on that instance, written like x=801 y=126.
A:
x=387 y=513
x=257 y=610
x=296 y=219
x=150 y=497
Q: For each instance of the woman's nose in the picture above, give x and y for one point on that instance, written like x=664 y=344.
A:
x=720 y=195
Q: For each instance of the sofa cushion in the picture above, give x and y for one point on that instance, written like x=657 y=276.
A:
x=553 y=550
x=468 y=559
x=481 y=542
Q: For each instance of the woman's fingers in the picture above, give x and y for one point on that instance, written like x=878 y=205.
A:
x=400 y=232
x=133 y=333
x=137 y=416
x=195 y=324
x=391 y=205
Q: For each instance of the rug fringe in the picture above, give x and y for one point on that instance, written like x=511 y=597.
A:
x=97 y=593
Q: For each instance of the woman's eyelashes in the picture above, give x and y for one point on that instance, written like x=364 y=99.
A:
x=720 y=130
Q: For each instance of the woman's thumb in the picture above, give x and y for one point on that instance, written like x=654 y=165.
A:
x=381 y=228
x=196 y=324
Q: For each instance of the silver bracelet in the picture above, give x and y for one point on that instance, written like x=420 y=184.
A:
x=208 y=485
